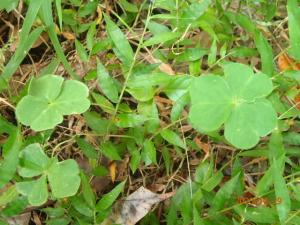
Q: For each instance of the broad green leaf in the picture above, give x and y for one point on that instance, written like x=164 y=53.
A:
x=148 y=153
x=193 y=12
x=110 y=151
x=157 y=28
x=177 y=87
x=244 y=127
x=103 y=103
x=178 y=107
x=135 y=156
x=33 y=161
x=119 y=40
x=129 y=7
x=294 y=27
x=49 y=99
x=64 y=178
x=107 y=83
x=81 y=206
x=90 y=36
x=212 y=182
x=142 y=94
x=265 y=183
x=108 y=199
x=212 y=56
x=87 y=191
x=87 y=148
x=238 y=101
x=191 y=54
x=36 y=190
x=210 y=97
x=172 y=138
x=149 y=109
x=161 y=38
x=81 y=51
x=96 y=123
x=130 y=120
x=8 y=5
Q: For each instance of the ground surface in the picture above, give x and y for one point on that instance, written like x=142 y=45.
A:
x=144 y=116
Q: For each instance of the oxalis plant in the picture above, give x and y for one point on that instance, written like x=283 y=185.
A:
x=63 y=177
x=237 y=100
x=50 y=98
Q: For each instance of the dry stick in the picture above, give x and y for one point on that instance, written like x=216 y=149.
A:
x=187 y=161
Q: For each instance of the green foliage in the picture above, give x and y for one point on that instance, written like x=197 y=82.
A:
x=63 y=177
x=52 y=98
x=238 y=100
x=169 y=109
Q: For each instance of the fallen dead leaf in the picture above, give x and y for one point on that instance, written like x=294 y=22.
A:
x=204 y=146
x=112 y=170
x=68 y=35
x=286 y=63
x=297 y=101
x=22 y=219
x=135 y=207
x=163 y=67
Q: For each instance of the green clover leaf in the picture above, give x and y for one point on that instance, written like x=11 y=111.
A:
x=236 y=100
x=49 y=99
x=63 y=177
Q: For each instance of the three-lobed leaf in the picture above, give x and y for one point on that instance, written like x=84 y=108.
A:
x=49 y=99
x=236 y=100
x=63 y=177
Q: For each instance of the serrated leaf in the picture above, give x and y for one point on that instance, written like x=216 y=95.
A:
x=49 y=99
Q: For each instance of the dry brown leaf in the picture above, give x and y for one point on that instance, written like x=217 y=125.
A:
x=135 y=207
x=287 y=63
x=163 y=67
x=112 y=170
x=204 y=146
x=68 y=35
x=22 y=219
x=297 y=101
